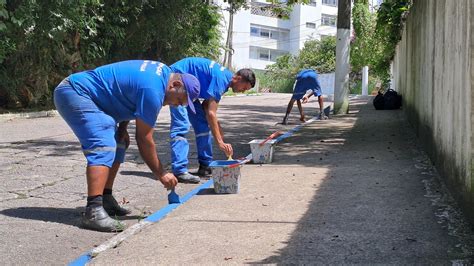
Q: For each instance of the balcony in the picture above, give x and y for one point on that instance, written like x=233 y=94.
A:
x=267 y=10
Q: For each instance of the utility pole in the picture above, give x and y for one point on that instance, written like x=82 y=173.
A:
x=228 y=47
x=341 y=89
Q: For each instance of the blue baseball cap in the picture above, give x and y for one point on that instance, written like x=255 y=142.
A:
x=193 y=88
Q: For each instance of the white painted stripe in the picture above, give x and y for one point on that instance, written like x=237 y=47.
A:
x=116 y=240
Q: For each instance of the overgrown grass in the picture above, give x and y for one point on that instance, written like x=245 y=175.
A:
x=249 y=92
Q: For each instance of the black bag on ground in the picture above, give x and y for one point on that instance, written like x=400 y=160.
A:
x=379 y=101
x=392 y=100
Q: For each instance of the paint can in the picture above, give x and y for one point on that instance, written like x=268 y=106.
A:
x=226 y=176
x=262 y=153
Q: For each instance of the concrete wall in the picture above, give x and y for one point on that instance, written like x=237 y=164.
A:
x=432 y=70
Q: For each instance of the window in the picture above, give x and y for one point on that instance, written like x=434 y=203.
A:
x=274 y=54
x=328 y=20
x=265 y=54
x=265 y=33
x=270 y=33
x=254 y=31
x=311 y=25
x=312 y=2
x=330 y=2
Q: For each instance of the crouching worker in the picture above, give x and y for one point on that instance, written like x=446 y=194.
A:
x=98 y=105
x=215 y=80
x=307 y=79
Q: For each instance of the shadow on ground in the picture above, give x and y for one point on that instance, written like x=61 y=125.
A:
x=371 y=207
x=69 y=216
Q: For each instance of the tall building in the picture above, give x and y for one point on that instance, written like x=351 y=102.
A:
x=260 y=35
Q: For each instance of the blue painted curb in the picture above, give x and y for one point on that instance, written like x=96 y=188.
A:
x=82 y=260
x=153 y=218
x=161 y=213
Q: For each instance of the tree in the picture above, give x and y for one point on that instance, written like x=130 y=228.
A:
x=390 y=20
x=43 y=41
x=316 y=54
x=341 y=84
x=363 y=46
x=319 y=55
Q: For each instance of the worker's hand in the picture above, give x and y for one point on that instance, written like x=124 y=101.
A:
x=226 y=148
x=123 y=137
x=168 y=180
x=305 y=99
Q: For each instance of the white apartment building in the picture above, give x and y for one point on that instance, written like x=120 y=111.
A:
x=260 y=37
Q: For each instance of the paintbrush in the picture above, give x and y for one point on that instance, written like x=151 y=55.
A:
x=173 y=197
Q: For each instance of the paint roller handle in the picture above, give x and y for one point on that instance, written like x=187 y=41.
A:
x=274 y=134
x=241 y=161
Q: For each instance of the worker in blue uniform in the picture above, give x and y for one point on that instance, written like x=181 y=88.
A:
x=98 y=105
x=306 y=79
x=215 y=80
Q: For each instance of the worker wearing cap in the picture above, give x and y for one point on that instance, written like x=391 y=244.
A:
x=215 y=80
x=98 y=105
x=306 y=79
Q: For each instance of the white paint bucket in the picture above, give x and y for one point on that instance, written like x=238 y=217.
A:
x=226 y=176
x=262 y=153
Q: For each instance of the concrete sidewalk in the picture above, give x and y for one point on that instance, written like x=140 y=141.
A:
x=353 y=189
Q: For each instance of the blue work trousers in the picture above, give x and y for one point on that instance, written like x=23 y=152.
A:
x=95 y=129
x=181 y=117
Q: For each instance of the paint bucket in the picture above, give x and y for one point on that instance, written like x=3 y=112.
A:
x=226 y=176
x=262 y=153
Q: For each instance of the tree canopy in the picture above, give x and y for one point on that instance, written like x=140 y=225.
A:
x=376 y=35
x=319 y=55
x=41 y=42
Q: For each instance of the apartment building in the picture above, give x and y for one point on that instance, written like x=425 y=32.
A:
x=260 y=36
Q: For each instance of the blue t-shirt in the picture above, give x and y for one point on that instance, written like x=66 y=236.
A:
x=307 y=79
x=126 y=90
x=213 y=77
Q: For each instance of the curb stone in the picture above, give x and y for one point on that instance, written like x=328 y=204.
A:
x=10 y=116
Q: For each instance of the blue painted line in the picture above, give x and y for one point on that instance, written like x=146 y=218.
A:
x=290 y=132
x=82 y=260
x=155 y=217
x=196 y=190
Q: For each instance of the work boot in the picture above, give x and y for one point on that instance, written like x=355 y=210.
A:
x=204 y=171
x=112 y=207
x=96 y=218
x=188 y=178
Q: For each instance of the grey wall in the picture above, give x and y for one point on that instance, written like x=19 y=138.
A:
x=432 y=70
